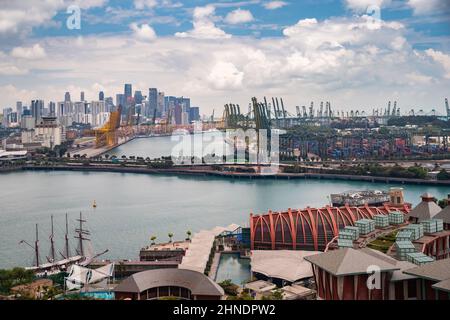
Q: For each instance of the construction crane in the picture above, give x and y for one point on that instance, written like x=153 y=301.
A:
x=107 y=135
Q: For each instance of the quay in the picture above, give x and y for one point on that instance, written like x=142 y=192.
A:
x=208 y=171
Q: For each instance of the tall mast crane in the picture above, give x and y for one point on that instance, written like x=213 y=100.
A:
x=274 y=108
x=81 y=235
x=52 y=244
x=35 y=247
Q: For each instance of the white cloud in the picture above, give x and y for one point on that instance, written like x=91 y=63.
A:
x=342 y=60
x=225 y=76
x=428 y=6
x=239 y=16
x=142 y=4
x=204 y=26
x=143 y=32
x=21 y=16
x=273 y=5
x=363 y=5
x=34 y=52
x=442 y=58
x=11 y=70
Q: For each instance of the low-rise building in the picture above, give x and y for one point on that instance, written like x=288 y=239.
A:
x=161 y=283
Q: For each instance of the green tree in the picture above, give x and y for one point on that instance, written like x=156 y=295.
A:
x=153 y=238
x=170 y=235
x=229 y=287
x=443 y=175
x=274 y=295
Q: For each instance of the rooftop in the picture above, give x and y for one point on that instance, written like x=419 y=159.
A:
x=168 y=246
x=443 y=285
x=282 y=264
x=260 y=286
x=444 y=215
x=196 y=282
x=438 y=270
x=425 y=210
x=349 y=261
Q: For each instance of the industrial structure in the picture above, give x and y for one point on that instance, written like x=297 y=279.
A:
x=265 y=115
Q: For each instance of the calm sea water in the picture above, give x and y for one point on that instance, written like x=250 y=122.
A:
x=132 y=207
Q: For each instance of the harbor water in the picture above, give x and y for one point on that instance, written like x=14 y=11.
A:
x=133 y=207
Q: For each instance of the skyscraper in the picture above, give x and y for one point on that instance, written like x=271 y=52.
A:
x=67 y=97
x=138 y=97
x=19 y=109
x=160 y=109
x=128 y=91
x=194 y=114
x=153 y=101
x=37 y=108
x=101 y=96
x=82 y=96
x=120 y=99
x=52 y=108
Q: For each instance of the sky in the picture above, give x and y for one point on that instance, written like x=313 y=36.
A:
x=357 y=54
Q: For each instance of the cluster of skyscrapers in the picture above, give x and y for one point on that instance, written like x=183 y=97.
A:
x=150 y=106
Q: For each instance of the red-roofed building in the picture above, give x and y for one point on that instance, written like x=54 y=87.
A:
x=309 y=228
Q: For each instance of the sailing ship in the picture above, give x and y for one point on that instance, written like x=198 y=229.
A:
x=52 y=264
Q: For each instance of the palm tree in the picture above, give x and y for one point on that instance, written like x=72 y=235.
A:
x=153 y=238
x=170 y=237
x=189 y=233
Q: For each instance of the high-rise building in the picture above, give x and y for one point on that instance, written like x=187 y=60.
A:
x=153 y=101
x=37 y=109
x=6 y=117
x=120 y=99
x=101 y=96
x=19 y=109
x=138 y=97
x=99 y=113
x=178 y=112
x=109 y=104
x=194 y=114
x=52 y=108
x=82 y=96
x=128 y=91
x=67 y=97
x=160 y=110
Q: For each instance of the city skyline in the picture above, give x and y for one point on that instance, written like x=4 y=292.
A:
x=228 y=51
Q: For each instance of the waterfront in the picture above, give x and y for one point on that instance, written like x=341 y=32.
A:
x=132 y=207
x=156 y=147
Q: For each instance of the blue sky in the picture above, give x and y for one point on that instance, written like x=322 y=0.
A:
x=167 y=20
x=217 y=51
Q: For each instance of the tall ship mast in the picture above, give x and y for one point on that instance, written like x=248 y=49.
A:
x=52 y=266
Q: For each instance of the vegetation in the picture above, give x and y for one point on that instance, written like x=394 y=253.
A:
x=443 y=175
x=242 y=296
x=229 y=287
x=443 y=203
x=274 y=295
x=14 y=277
x=383 y=243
